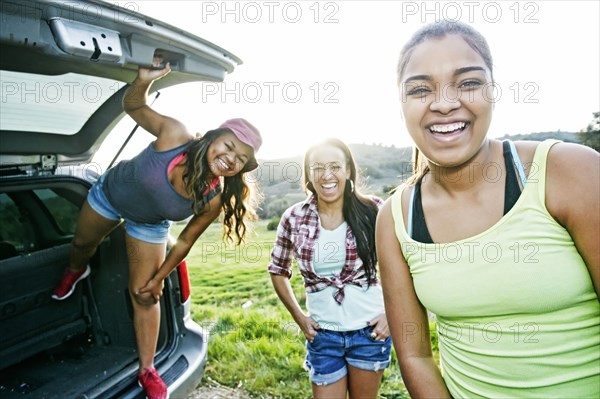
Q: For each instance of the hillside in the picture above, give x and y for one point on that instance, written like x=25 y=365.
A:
x=375 y=163
x=541 y=136
x=381 y=167
x=281 y=179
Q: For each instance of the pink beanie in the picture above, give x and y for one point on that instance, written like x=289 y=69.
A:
x=247 y=134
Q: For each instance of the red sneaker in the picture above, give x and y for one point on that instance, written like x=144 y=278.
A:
x=152 y=384
x=67 y=283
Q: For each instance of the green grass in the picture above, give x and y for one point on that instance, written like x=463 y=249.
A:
x=259 y=347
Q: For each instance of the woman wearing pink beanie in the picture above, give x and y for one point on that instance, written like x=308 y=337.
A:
x=177 y=176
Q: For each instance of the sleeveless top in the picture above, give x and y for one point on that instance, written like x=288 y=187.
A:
x=517 y=314
x=140 y=189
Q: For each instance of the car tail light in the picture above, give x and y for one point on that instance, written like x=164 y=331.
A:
x=184 y=281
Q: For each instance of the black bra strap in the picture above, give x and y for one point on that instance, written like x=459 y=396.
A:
x=420 y=230
x=512 y=190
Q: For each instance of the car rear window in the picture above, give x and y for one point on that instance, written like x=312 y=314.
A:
x=63 y=212
x=14 y=237
x=58 y=104
x=31 y=220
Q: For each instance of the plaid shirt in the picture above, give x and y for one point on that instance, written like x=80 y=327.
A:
x=297 y=237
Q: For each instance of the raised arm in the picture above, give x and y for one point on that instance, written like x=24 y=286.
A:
x=169 y=131
x=573 y=198
x=406 y=316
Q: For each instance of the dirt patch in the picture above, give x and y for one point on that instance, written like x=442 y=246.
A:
x=211 y=389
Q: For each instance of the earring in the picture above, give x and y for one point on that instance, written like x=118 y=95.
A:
x=351 y=185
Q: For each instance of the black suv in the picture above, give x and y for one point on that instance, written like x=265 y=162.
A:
x=64 y=69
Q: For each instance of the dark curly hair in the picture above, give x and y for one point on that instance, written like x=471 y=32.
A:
x=237 y=198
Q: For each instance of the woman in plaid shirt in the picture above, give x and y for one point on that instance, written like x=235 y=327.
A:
x=332 y=237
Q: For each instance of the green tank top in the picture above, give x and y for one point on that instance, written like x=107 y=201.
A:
x=517 y=314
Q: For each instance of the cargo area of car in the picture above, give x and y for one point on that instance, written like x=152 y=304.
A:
x=88 y=337
x=49 y=374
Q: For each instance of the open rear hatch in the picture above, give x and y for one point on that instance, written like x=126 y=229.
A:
x=65 y=66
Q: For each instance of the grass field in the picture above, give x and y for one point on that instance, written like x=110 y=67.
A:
x=254 y=343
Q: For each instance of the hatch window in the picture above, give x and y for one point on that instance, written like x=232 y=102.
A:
x=57 y=104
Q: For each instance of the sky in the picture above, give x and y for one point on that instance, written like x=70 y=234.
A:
x=328 y=69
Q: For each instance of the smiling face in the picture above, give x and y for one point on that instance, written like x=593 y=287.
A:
x=446 y=100
x=328 y=172
x=227 y=155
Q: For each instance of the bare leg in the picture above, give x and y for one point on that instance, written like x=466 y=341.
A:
x=364 y=384
x=144 y=259
x=89 y=233
x=337 y=390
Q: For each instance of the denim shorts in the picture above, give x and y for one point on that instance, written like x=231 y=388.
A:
x=330 y=352
x=153 y=233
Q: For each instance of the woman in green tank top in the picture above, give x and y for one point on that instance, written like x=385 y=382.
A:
x=501 y=244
